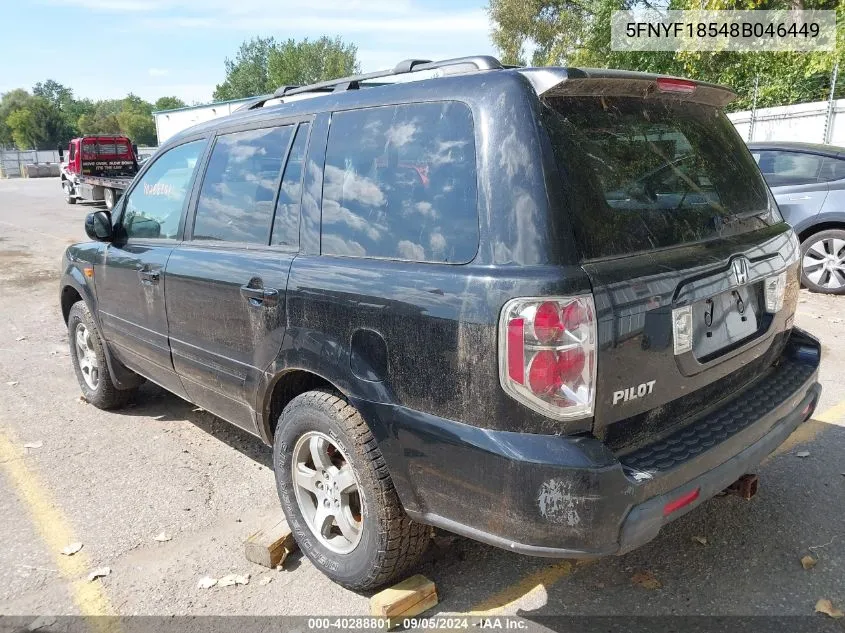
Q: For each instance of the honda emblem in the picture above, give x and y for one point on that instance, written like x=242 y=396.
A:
x=740 y=266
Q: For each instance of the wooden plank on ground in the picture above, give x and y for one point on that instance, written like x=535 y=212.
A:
x=270 y=545
x=406 y=599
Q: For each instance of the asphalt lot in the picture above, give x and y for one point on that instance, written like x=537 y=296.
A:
x=113 y=481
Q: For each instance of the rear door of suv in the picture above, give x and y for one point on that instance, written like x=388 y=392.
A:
x=684 y=247
x=797 y=180
x=227 y=280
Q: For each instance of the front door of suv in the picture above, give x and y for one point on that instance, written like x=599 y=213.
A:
x=227 y=281
x=130 y=281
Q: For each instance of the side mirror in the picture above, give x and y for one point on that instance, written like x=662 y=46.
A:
x=98 y=226
x=61 y=154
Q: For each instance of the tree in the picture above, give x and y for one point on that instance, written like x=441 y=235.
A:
x=37 y=125
x=9 y=103
x=57 y=94
x=169 y=103
x=307 y=62
x=262 y=65
x=577 y=33
x=246 y=75
x=101 y=118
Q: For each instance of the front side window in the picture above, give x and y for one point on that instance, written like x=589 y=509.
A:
x=239 y=188
x=789 y=168
x=400 y=183
x=154 y=207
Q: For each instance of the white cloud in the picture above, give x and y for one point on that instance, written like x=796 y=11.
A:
x=158 y=72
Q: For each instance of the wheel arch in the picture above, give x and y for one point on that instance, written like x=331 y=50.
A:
x=836 y=222
x=74 y=290
x=283 y=388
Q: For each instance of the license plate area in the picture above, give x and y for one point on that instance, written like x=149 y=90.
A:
x=725 y=321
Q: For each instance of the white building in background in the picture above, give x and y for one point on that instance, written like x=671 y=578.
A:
x=799 y=122
x=170 y=122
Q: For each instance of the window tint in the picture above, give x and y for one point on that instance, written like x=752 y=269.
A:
x=154 y=207
x=789 y=168
x=239 y=188
x=832 y=169
x=286 y=223
x=642 y=174
x=400 y=183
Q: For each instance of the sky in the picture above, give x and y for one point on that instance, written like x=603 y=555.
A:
x=153 y=48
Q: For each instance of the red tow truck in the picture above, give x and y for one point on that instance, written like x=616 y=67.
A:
x=98 y=168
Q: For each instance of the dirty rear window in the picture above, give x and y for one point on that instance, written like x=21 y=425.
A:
x=640 y=175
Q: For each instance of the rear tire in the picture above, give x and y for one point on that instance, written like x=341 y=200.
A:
x=109 y=198
x=823 y=262
x=89 y=361
x=387 y=543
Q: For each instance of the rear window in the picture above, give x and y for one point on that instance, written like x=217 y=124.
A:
x=640 y=175
x=400 y=183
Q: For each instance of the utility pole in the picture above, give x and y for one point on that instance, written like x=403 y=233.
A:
x=828 y=119
x=753 y=109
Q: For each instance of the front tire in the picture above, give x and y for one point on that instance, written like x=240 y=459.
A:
x=89 y=361
x=823 y=262
x=69 y=197
x=337 y=495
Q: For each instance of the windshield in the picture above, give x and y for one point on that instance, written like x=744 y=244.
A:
x=640 y=175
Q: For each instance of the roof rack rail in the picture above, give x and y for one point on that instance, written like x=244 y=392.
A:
x=478 y=62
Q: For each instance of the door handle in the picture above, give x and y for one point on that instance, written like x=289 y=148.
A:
x=260 y=297
x=149 y=276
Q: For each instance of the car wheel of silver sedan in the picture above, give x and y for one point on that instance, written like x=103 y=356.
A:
x=823 y=262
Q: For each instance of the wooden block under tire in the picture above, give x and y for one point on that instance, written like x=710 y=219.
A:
x=406 y=599
x=270 y=545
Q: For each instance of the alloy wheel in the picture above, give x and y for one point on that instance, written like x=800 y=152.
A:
x=88 y=363
x=824 y=263
x=327 y=492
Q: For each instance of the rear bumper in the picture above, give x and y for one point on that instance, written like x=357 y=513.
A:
x=571 y=497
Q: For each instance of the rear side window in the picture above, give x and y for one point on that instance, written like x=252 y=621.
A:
x=640 y=175
x=239 y=188
x=286 y=222
x=400 y=183
x=789 y=168
x=832 y=169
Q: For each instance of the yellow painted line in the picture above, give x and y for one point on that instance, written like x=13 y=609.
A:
x=812 y=428
x=533 y=583
x=834 y=415
x=57 y=534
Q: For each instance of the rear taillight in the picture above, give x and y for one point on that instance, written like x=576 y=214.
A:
x=547 y=354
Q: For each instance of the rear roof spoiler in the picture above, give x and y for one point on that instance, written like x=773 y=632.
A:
x=597 y=82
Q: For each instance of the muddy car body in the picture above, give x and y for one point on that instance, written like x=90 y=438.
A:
x=498 y=301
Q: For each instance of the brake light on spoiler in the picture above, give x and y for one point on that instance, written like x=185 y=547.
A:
x=672 y=84
x=547 y=354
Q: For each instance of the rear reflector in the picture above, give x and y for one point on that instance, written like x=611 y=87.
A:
x=670 y=84
x=682 y=329
x=775 y=289
x=680 y=502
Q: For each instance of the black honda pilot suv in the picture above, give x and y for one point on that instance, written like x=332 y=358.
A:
x=550 y=309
